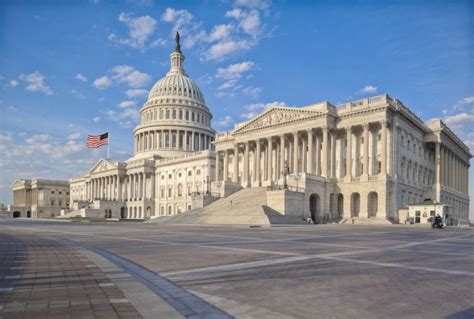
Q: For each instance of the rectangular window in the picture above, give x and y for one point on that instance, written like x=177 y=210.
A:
x=170 y=192
x=198 y=172
x=52 y=202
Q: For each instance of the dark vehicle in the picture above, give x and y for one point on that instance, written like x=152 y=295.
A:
x=437 y=222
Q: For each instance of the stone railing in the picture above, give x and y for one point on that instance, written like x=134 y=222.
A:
x=371 y=101
x=373 y=178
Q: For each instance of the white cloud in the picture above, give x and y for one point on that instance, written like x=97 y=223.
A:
x=250 y=23
x=123 y=74
x=219 y=32
x=36 y=83
x=234 y=71
x=96 y=119
x=13 y=83
x=225 y=121
x=252 y=91
x=74 y=136
x=467 y=100
x=38 y=138
x=158 y=43
x=235 y=13
x=222 y=50
x=460 y=120
x=180 y=18
x=255 y=109
x=80 y=77
x=131 y=93
x=125 y=104
x=139 y=30
x=129 y=75
x=368 y=89
x=125 y=118
x=102 y=83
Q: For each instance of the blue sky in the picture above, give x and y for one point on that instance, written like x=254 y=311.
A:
x=68 y=70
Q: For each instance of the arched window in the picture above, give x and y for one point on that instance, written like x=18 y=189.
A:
x=167 y=114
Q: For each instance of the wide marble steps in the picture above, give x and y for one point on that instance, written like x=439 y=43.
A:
x=245 y=207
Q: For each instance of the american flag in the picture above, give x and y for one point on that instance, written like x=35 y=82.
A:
x=94 y=141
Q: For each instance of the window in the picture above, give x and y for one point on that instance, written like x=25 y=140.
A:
x=198 y=172
x=179 y=174
x=169 y=176
x=190 y=173
x=60 y=203
x=67 y=193
x=60 y=193
x=162 y=195
x=52 y=202
x=170 y=192
x=192 y=116
x=380 y=167
x=169 y=210
x=189 y=190
x=180 y=190
x=52 y=192
x=380 y=137
x=162 y=210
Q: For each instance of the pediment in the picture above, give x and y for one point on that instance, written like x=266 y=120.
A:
x=103 y=165
x=278 y=116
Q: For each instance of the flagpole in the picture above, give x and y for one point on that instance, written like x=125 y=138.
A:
x=108 y=148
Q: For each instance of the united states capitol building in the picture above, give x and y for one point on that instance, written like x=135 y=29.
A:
x=362 y=160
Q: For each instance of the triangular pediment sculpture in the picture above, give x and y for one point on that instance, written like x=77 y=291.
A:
x=278 y=116
x=103 y=165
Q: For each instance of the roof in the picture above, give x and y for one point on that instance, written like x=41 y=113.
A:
x=427 y=201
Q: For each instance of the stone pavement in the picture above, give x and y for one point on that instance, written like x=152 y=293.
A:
x=41 y=278
x=311 y=271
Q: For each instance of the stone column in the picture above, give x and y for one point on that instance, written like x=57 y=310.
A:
x=219 y=176
x=245 y=178
x=309 y=163
x=324 y=153
x=333 y=154
x=257 y=162
x=318 y=156
x=192 y=141
x=144 y=192
x=295 y=153
x=235 y=164
x=282 y=154
x=303 y=154
x=226 y=165
x=269 y=159
x=366 y=148
x=383 y=161
x=438 y=171
x=349 y=153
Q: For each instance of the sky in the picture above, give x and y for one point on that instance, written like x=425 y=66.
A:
x=72 y=68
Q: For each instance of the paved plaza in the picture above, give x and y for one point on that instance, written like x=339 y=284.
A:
x=136 y=270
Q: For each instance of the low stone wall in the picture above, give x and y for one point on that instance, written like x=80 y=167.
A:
x=286 y=202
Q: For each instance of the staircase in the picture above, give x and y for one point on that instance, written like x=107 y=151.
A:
x=245 y=207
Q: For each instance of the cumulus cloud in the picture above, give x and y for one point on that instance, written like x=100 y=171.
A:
x=252 y=91
x=38 y=138
x=129 y=75
x=123 y=74
x=102 y=83
x=139 y=30
x=368 y=89
x=179 y=18
x=125 y=118
x=225 y=121
x=234 y=71
x=96 y=119
x=80 y=77
x=255 y=109
x=223 y=49
x=74 y=136
x=132 y=93
x=13 y=83
x=35 y=82
x=459 y=120
x=125 y=104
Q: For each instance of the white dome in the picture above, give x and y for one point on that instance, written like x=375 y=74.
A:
x=175 y=119
x=176 y=85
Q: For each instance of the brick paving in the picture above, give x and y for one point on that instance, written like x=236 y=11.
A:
x=41 y=278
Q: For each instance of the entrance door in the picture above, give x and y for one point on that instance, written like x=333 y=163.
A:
x=16 y=214
x=122 y=213
x=417 y=217
x=314 y=208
